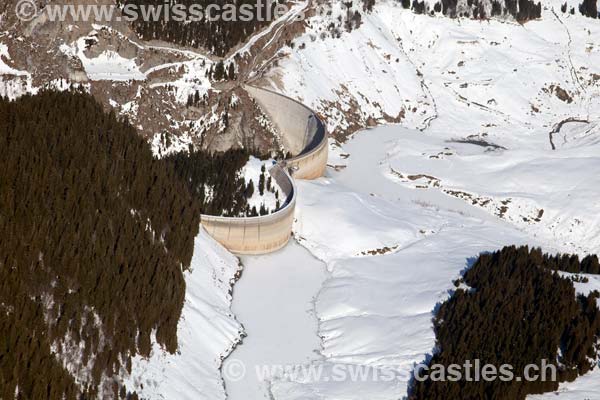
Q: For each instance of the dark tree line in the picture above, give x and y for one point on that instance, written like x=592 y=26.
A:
x=518 y=312
x=94 y=235
x=589 y=8
x=217 y=36
x=219 y=72
x=350 y=20
x=521 y=10
x=570 y=263
x=195 y=99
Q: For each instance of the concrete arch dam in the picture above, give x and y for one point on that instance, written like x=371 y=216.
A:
x=304 y=135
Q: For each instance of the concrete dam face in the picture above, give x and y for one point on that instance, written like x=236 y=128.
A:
x=304 y=135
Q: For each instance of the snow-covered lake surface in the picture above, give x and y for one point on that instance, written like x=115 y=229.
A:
x=274 y=300
x=394 y=246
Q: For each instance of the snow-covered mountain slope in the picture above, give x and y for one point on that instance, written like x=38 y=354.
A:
x=357 y=80
x=109 y=65
x=546 y=193
x=4 y=68
x=505 y=75
x=207 y=332
x=586 y=387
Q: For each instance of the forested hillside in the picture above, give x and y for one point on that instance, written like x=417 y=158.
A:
x=516 y=311
x=95 y=235
x=520 y=10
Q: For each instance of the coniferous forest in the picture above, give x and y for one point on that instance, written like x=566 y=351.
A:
x=516 y=310
x=589 y=8
x=95 y=236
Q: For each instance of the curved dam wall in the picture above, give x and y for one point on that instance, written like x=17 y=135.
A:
x=257 y=235
x=304 y=135
x=302 y=132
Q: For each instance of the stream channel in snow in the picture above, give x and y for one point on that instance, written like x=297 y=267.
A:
x=274 y=300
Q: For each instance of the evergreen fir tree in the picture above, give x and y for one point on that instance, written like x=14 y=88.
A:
x=231 y=72
x=219 y=73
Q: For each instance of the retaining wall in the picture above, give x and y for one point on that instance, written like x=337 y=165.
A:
x=304 y=135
